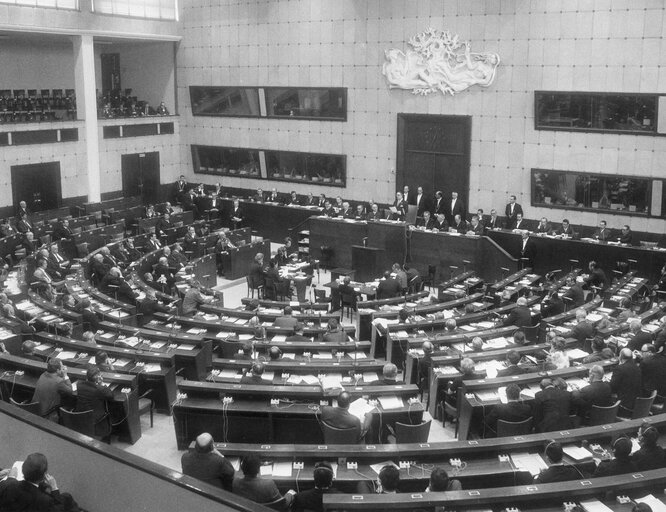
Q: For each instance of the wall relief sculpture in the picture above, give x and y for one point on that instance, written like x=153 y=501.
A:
x=438 y=61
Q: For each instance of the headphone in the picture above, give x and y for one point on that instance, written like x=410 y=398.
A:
x=647 y=430
x=621 y=438
x=552 y=442
x=324 y=466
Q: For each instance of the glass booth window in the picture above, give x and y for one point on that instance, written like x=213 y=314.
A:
x=309 y=103
x=306 y=167
x=562 y=189
x=226 y=161
x=225 y=101
x=635 y=113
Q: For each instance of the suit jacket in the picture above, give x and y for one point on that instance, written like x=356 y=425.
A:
x=627 y=238
x=510 y=370
x=603 y=234
x=148 y=308
x=568 y=232
x=439 y=206
x=576 y=294
x=653 y=374
x=48 y=391
x=23 y=496
x=23 y=226
x=597 y=278
x=91 y=396
x=493 y=223
x=639 y=339
x=374 y=215
x=582 y=331
x=443 y=226
x=161 y=226
x=311 y=500
x=511 y=215
x=61 y=232
x=551 y=410
x=286 y=322
x=420 y=222
x=543 y=229
x=402 y=208
x=452 y=210
x=421 y=205
x=208 y=467
x=478 y=230
x=529 y=251
x=257 y=489
x=520 y=316
x=557 y=473
x=511 y=411
x=339 y=418
x=597 y=393
x=461 y=227
x=388 y=288
x=626 y=383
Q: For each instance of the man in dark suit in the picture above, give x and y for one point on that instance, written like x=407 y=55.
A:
x=401 y=207
x=62 y=230
x=527 y=250
x=459 y=225
x=388 y=287
x=374 y=213
x=638 y=337
x=389 y=375
x=180 y=189
x=475 y=227
x=511 y=212
x=274 y=197
x=207 y=464
x=339 y=416
x=514 y=410
x=299 y=329
x=512 y=368
x=254 y=375
x=425 y=221
x=162 y=225
x=626 y=235
x=519 y=222
x=149 y=306
x=596 y=277
x=311 y=499
x=556 y=471
x=421 y=202
x=92 y=394
x=626 y=382
x=520 y=316
x=602 y=233
x=597 y=392
x=552 y=305
x=566 y=231
x=543 y=227
x=438 y=205
x=493 y=221
x=453 y=208
x=551 y=408
x=583 y=331
x=574 y=297
x=24 y=225
x=37 y=492
x=440 y=223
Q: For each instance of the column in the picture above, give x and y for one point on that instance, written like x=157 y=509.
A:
x=86 y=109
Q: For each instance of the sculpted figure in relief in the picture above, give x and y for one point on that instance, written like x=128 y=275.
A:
x=435 y=63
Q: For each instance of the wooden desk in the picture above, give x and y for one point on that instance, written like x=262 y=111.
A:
x=124 y=408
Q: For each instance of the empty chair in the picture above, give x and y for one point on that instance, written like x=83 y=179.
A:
x=603 y=415
x=32 y=407
x=81 y=422
x=321 y=298
x=430 y=279
x=146 y=404
x=333 y=435
x=642 y=406
x=251 y=287
x=347 y=300
x=405 y=433
x=514 y=428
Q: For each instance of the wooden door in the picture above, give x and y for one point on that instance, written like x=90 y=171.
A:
x=38 y=185
x=434 y=153
x=141 y=176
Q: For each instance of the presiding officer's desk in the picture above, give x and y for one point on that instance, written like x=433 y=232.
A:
x=554 y=252
x=124 y=407
x=480 y=394
x=192 y=354
x=251 y=418
x=155 y=370
x=534 y=496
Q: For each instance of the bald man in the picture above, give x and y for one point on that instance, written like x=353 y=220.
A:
x=207 y=464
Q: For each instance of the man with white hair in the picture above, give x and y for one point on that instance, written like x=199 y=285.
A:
x=520 y=315
x=583 y=331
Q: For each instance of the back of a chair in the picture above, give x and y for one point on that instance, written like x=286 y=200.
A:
x=333 y=435
x=514 y=428
x=642 y=406
x=348 y=299
x=319 y=294
x=32 y=407
x=230 y=348
x=604 y=415
x=81 y=422
x=405 y=433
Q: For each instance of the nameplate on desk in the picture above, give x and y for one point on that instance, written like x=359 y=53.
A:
x=322 y=447
x=585 y=482
x=417 y=496
x=357 y=498
x=265 y=446
x=532 y=488
x=518 y=438
x=564 y=433
x=424 y=445
x=370 y=447
x=474 y=493
x=607 y=427
x=637 y=476
x=472 y=443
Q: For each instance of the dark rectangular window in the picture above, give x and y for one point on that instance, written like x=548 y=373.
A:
x=310 y=103
x=34 y=137
x=166 y=128
x=226 y=161
x=306 y=167
x=225 y=101
x=283 y=102
x=139 y=130
x=600 y=112
x=69 y=135
x=111 y=132
x=627 y=195
x=4 y=139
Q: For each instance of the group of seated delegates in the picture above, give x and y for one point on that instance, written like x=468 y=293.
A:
x=119 y=103
x=261 y=273
x=104 y=272
x=36 y=491
x=50 y=271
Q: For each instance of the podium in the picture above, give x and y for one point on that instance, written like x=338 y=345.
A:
x=366 y=261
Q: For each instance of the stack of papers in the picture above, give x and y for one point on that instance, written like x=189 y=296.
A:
x=655 y=504
x=487 y=396
x=369 y=377
x=268 y=376
x=594 y=505
x=390 y=402
x=359 y=408
x=577 y=453
x=531 y=462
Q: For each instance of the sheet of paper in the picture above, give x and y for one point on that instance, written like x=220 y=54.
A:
x=576 y=453
x=17 y=470
x=186 y=347
x=323 y=355
x=655 y=504
x=501 y=392
x=66 y=354
x=369 y=377
x=331 y=382
x=576 y=353
x=487 y=396
x=294 y=379
x=245 y=337
x=279 y=338
x=158 y=344
x=310 y=380
x=282 y=469
x=531 y=462
x=266 y=470
x=594 y=505
x=269 y=376
x=154 y=367
x=390 y=402
x=359 y=408
x=358 y=355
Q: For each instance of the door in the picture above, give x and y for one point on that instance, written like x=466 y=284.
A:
x=141 y=176
x=38 y=185
x=434 y=153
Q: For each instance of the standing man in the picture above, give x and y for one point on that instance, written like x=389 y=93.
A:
x=511 y=211
x=551 y=408
x=407 y=197
x=180 y=189
x=455 y=207
x=421 y=202
x=401 y=206
x=527 y=249
x=626 y=382
x=439 y=203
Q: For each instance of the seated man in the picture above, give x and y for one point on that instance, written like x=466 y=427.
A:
x=621 y=462
x=93 y=395
x=425 y=222
x=388 y=481
x=520 y=316
x=52 y=386
x=256 y=488
x=114 y=285
x=207 y=464
x=389 y=375
x=514 y=410
x=440 y=482
x=650 y=455
x=566 y=231
x=551 y=408
x=335 y=333
x=311 y=500
x=193 y=298
x=597 y=392
x=254 y=375
x=557 y=470
x=600 y=352
x=512 y=368
x=37 y=492
x=340 y=417
x=299 y=329
x=287 y=320
x=582 y=331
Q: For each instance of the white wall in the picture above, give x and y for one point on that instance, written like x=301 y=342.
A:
x=36 y=65
x=584 y=45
